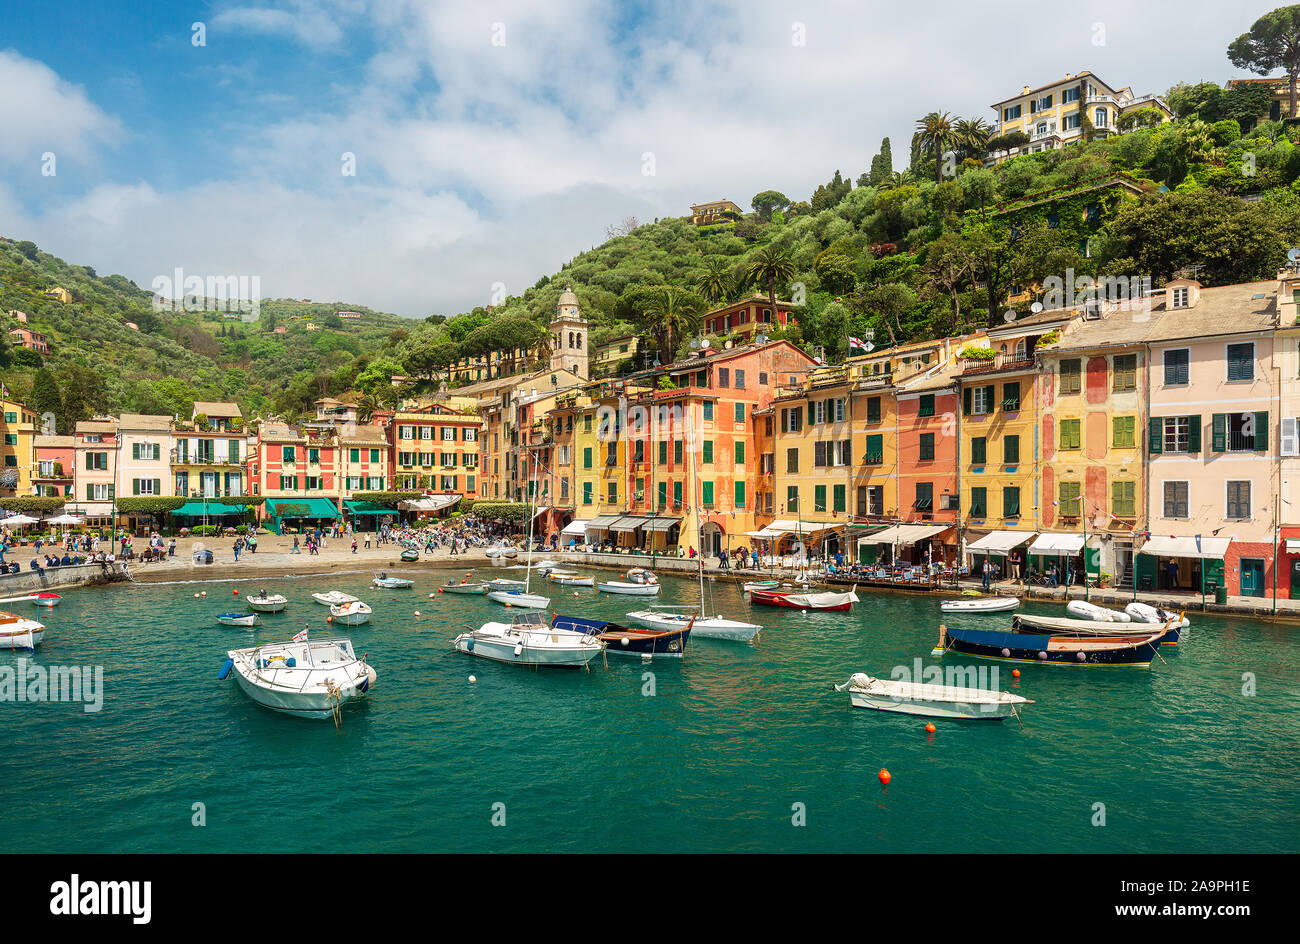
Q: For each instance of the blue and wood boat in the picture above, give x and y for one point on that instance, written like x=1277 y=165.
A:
x=1127 y=649
x=629 y=640
x=1060 y=626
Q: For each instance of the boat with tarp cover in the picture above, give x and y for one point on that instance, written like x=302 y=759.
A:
x=1121 y=649
x=629 y=640
x=1061 y=626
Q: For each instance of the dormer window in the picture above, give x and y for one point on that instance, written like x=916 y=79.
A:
x=1180 y=298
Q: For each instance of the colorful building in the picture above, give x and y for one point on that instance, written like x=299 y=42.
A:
x=749 y=316
x=19 y=426
x=208 y=452
x=96 y=451
x=55 y=465
x=298 y=473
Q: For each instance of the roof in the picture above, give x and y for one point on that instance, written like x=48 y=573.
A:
x=365 y=434
x=97 y=426
x=144 y=421
x=212 y=408
x=53 y=442
x=1228 y=309
x=279 y=432
x=721 y=355
x=1062 y=81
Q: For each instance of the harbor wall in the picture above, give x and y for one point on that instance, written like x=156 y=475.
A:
x=54 y=578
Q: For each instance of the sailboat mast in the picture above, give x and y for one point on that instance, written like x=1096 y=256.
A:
x=532 y=504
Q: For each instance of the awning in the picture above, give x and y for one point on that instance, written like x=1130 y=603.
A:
x=998 y=543
x=627 y=524
x=602 y=522
x=1205 y=548
x=301 y=508
x=1293 y=545
x=194 y=509
x=904 y=534
x=368 y=509
x=543 y=509
x=429 y=503
x=576 y=528
x=784 y=526
x=1057 y=544
x=661 y=524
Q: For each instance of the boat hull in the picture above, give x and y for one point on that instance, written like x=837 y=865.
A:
x=711 y=628
x=468 y=588
x=530 y=601
x=27 y=638
x=629 y=589
x=986 y=605
x=392 y=583
x=795 y=601
x=570 y=650
x=635 y=641
x=1120 y=650
x=1059 y=626
x=300 y=690
x=929 y=709
x=266 y=604
x=238 y=619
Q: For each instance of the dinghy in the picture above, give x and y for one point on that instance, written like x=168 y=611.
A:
x=712 y=627
x=502 y=583
x=238 y=619
x=930 y=701
x=305 y=678
x=629 y=641
x=1058 y=625
x=1146 y=613
x=639 y=583
x=462 y=586
x=351 y=614
x=1091 y=611
x=385 y=582
x=805 y=601
x=266 y=602
x=333 y=597
x=47 y=599
x=19 y=632
x=753 y=585
x=410 y=554
x=528 y=640
x=1118 y=650
x=570 y=580
x=531 y=601
x=980 y=605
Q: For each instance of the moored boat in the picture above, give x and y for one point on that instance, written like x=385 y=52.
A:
x=1062 y=626
x=528 y=640
x=629 y=640
x=752 y=585
x=305 y=678
x=1146 y=613
x=462 y=586
x=980 y=605
x=806 y=601
x=532 y=601
x=639 y=583
x=333 y=597
x=931 y=701
x=351 y=614
x=19 y=632
x=410 y=554
x=570 y=580
x=46 y=599
x=238 y=619
x=1091 y=611
x=1117 y=650
x=385 y=582
x=504 y=583
x=712 y=627
x=265 y=602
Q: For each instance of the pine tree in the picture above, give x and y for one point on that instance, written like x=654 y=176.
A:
x=46 y=397
x=882 y=165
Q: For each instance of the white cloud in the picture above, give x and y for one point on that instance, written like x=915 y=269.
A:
x=40 y=112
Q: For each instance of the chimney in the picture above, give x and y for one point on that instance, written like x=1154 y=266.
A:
x=1068 y=75
x=1025 y=90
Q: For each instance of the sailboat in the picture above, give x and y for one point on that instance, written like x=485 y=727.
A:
x=514 y=596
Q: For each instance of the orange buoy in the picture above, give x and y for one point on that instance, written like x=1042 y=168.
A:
x=439 y=590
x=235 y=591
x=329 y=619
x=1015 y=673
x=509 y=605
x=929 y=728
x=884 y=776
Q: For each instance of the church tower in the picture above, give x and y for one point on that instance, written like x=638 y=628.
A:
x=569 y=335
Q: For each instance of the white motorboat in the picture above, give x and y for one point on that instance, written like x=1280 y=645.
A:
x=498 y=551
x=752 y=585
x=639 y=583
x=531 y=601
x=712 y=627
x=351 y=614
x=333 y=597
x=504 y=583
x=238 y=619
x=980 y=605
x=570 y=580
x=519 y=594
x=385 y=582
x=307 y=678
x=19 y=632
x=529 y=640
x=266 y=602
x=1081 y=609
x=462 y=586
x=1146 y=613
x=931 y=701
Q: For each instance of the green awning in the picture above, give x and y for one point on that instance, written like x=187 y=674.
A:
x=301 y=508
x=368 y=508
x=195 y=509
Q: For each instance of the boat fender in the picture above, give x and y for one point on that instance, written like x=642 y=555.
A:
x=626 y=641
x=1006 y=653
x=469 y=644
x=1082 y=657
x=225 y=670
x=291 y=662
x=363 y=686
x=1042 y=655
x=519 y=648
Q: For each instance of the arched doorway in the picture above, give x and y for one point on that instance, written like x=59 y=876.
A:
x=712 y=539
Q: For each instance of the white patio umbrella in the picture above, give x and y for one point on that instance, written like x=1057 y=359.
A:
x=64 y=519
x=18 y=520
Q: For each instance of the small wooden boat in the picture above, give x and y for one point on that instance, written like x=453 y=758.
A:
x=931 y=701
x=1146 y=613
x=570 y=580
x=238 y=619
x=531 y=601
x=628 y=589
x=306 y=678
x=46 y=599
x=385 y=582
x=711 y=627
x=629 y=641
x=1117 y=650
x=1062 y=626
x=462 y=586
x=1082 y=609
x=351 y=614
x=410 y=554
x=19 y=632
x=266 y=602
x=333 y=597
x=805 y=601
x=641 y=575
x=752 y=585
x=528 y=640
x=980 y=605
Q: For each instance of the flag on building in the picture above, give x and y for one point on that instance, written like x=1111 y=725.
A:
x=857 y=342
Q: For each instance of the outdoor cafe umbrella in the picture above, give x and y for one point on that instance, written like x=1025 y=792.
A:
x=18 y=520
x=64 y=519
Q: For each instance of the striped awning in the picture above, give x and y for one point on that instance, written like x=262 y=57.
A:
x=602 y=522
x=998 y=543
x=628 y=524
x=661 y=524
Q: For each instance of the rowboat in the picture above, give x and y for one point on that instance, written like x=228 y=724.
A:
x=19 y=632
x=462 y=586
x=238 y=619
x=752 y=585
x=508 y=551
x=1061 y=626
x=410 y=554
x=641 y=575
x=46 y=599
x=351 y=614
x=628 y=589
x=266 y=602
x=532 y=601
x=307 y=678
x=980 y=605
x=528 y=640
x=1146 y=613
x=630 y=641
x=333 y=597
x=1091 y=611
x=805 y=601
x=570 y=580
x=502 y=583
x=1127 y=650
x=385 y=582
x=712 y=627
x=930 y=701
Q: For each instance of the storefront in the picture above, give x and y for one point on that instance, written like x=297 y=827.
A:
x=1182 y=564
x=1002 y=548
x=1065 y=551
x=915 y=544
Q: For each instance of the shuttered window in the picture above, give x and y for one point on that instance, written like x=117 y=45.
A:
x=1123 y=499
x=1070 y=375
x=875 y=450
x=1124 y=432
x=978 y=450
x=926 y=452
x=1125 y=369
x=1241 y=361
x=1011 y=450
x=978 y=502
x=1238 y=500
x=1011 y=502
x=1069 y=434
x=873 y=409
x=1290 y=439
x=1069 y=504
x=1176 y=363
x=926 y=406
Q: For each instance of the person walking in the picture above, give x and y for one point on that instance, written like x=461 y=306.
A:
x=252 y=544
x=239 y=546
x=987 y=570
x=354 y=544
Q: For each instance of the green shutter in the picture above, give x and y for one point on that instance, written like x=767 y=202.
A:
x=1156 y=435
x=1261 y=431
x=811 y=413
x=1194 y=433
x=739 y=452
x=708 y=452
x=1219 y=442
x=966 y=402
x=135 y=450
x=157 y=487
x=708 y=494
x=740 y=495
x=135 y=486
x=90 y=493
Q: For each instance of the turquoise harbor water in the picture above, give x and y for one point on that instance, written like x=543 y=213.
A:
x=735 y=736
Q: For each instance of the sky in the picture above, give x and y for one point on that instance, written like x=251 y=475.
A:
x=493 y=140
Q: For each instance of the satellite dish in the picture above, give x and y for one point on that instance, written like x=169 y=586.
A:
x=704 y=344
x=694 y=344
x=1292 y=255
x=727 y=345
x=1036 y=307
x=761 y=339
x=1009 y=315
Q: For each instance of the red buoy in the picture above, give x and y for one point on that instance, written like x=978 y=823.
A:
x=884 y=776
x=1015 y=673
x=929 y=728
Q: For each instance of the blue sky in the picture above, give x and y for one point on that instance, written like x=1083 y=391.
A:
x=493 y=140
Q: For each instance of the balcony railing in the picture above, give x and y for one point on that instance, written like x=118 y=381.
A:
x=184 y=458
x=1008 y=361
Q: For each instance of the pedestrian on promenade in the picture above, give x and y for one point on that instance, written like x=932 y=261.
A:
x=252 y=544
x=988 y=572
x=354 y=544
x=295 y=549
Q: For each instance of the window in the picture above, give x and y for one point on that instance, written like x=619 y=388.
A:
x=1123 y=501
x=1011 y=450
x=738 y=453
x=287 y=454
x=374 y=455
x=354 y=455
x=740 y=412
x=1011 y=502
x=1070 y=376
x=1238 y=505
x=1125 y=372
x=819 y=498
x=875 y=453
x=1246 y=432
x=677 y=493
x=978 y=450
x=663 y=494
x=677 y=452
x=978 y=502
x=663 y=452
x=586 y=456
x=1070 y=434
x=924 y=496
x=1068 y=495
x=706 y=452
x=708 y=411
x=1241 y=361
x=873 y=410
x=982 y=400
x=1010 y=114
x=792 y=498
x=926 y=452
x=586 y=492
x=612 y=493
x=1069 y=95
x=1011 y=397
x=875 y=500
x=740 y=379
x=724 y=377
x=1124 y=432
x=1175 y=434
x=926 y=406
x=792 y=460
x=1175 y=499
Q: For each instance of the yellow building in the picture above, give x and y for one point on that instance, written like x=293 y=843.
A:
x=1058 y=113
x=606 y=357
x=20 y=426
x=600 y=462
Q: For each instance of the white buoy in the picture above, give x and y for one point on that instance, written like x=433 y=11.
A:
x=196 y=596
x=417 y=612
x=473 y=679
x=203 y=593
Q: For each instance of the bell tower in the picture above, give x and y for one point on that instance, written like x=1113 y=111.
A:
x=569 y=335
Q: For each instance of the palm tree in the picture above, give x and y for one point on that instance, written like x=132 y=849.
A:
x=973 y=136
x=717 y=281
x=899 y=178
x=766 y=266
x=936 y=134
x=669 y=315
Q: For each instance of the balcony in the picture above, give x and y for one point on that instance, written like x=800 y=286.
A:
x=1012 y=360
x=183 y=458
